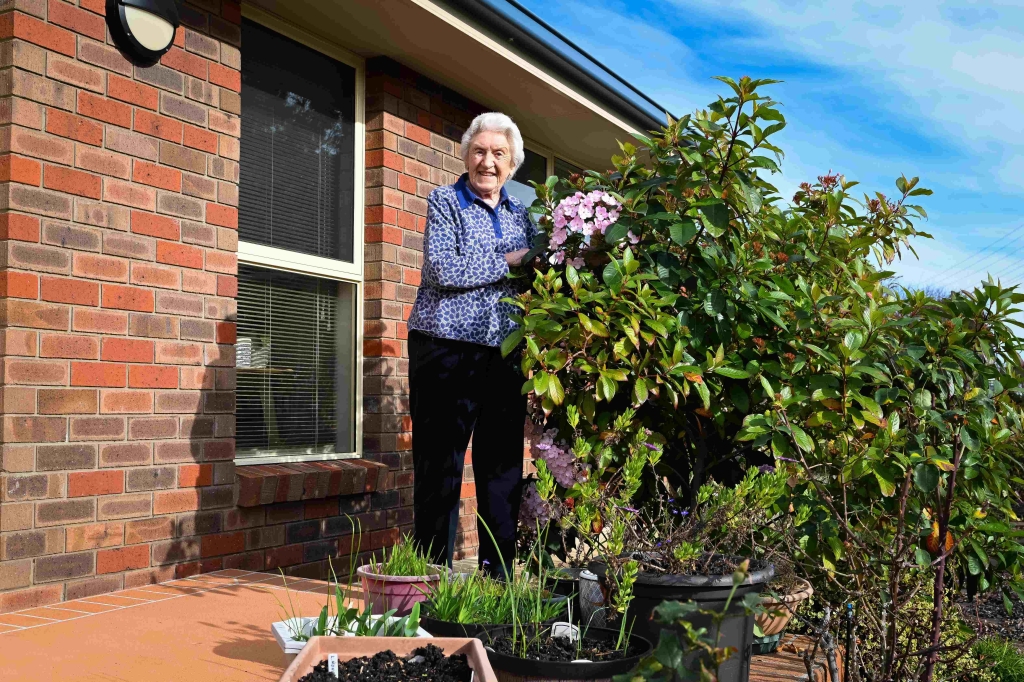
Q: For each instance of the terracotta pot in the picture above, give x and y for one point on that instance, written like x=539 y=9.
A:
x=399 y=592
x=355 y=647
x=777 y=613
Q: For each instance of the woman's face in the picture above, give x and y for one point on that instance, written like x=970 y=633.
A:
x=489 y=162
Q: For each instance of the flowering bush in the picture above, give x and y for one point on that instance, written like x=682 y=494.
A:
x=732 y=331
x=577 y=220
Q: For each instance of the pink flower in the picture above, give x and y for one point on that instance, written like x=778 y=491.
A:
x=577 y=262
x=557 y=258
x=585 y=211
x=559 y=216
x=633 y=239
x=610 y=200
x=558 y=236
x=601 y=212
x=577 y=224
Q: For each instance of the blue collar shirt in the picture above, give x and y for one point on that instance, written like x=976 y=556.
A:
x=464 y=274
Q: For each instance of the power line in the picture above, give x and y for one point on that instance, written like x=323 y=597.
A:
x=973 y=263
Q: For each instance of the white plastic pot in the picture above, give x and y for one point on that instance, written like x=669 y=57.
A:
x=283 y=630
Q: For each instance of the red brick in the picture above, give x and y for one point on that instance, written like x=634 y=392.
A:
x=72 y=181
x=103 y=162
x=19 y=284
x=222 y=261
x=67 y=401
x=104 y=109
x=22 y=228
x=126 y=350
x=122 y=559
x=417 y=134
x=225 y=216
x=152 y=376
x=155 y=225
x=34 y=31
x=38 y=145
x=175 y=501
x=227 y=286
x=100 y=267
x=227 y=332
x=97 y=6
x=128 y=298
x=198 y=138
x=159 y=126
x=79 y=21
x=94 y=535
x=74 y=73
x=106 y=374
x=18 y=600
x=179 y=254
x=173 y=353
x=179 y=60
x=69 y=346
x=19 y=169
x=133 y=92
x=157 y=176
x=146 y=274
x=100 y=321
x=29 y=371
x=127 y=194
x=225 y=77
x=382 y=348
x=75 y=291
x=195 y=475
x=89 y=483
x=120 y=402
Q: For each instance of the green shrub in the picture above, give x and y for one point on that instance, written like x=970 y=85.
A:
x=1002 y=658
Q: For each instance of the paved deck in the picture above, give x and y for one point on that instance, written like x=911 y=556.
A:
x=209 y=628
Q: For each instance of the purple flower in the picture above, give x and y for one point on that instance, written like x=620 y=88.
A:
x=766 y=468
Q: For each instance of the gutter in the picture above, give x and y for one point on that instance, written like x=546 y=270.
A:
x=528 y=34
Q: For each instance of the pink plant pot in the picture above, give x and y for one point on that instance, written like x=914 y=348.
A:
x=386 y=592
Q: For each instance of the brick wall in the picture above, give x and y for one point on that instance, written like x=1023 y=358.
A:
x=119 y=231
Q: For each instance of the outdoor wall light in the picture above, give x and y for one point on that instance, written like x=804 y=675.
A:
x=143 y=29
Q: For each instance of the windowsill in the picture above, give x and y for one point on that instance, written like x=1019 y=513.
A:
x=272 y=483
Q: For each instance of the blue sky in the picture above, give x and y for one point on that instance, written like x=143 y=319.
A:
x=872 y=90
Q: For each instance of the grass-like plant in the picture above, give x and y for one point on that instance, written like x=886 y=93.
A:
x=480 y=599
x=405 y=559
x=346 y=618
x=1002 y=658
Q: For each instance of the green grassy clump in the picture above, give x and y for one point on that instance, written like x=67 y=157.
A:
x=405 y=559
x=1001 y=658
x=480 y=599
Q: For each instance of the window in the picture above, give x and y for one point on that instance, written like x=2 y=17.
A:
x=300 y=246
x=564 y=169
x=535 y=167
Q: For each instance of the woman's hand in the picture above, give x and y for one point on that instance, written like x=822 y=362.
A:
x=515 y=258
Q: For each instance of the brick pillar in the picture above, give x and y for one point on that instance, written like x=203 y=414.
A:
x=412 y=145
x=119 y=231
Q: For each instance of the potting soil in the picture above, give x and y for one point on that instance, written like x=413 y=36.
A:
x=425 y=663
x=562 y=650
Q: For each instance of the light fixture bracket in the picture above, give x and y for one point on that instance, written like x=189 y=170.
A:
x=140 y=49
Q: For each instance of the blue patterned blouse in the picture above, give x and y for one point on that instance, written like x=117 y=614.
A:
x=464 y=268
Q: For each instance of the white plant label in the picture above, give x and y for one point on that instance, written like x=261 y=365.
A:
x=332 y=664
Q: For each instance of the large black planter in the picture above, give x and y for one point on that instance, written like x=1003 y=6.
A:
x=710 y=592
x=514 y=669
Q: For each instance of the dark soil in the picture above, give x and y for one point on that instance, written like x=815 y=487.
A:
x=561 y=650
x=426 y=663
x=987 y=616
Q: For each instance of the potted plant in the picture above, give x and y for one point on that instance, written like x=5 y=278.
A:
x=781 y=598
x=465 y=606
x=402 y=579
x=368 y=659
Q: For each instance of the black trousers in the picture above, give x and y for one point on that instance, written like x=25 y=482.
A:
x=458 y=389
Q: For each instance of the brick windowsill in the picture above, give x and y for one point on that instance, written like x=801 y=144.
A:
x=261 y=484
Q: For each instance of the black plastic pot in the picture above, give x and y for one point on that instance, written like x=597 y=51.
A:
x=710 y=592
x=514 y=669
x=567 y=584
x=445 y=628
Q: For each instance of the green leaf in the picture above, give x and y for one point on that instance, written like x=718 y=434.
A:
x=555 y=390
x=682 y=233
x=926 y=477
x=716 y=219
x=732 y=372
x=612 y=276
x=802 y=440
x=640 y=391
x=886 y=480
x=705 y=395
x=511 y=341
x=739 y=398
x=540 y=383
x=922 y=557
x=572 y=276
x=616 y=233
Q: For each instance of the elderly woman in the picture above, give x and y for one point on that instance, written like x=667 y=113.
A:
x=460 y=385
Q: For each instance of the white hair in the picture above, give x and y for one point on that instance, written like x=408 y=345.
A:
x=496 y=122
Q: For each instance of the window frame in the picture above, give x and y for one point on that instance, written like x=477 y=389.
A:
x=274 y=258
